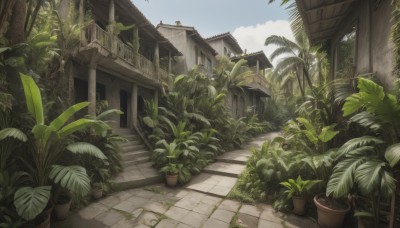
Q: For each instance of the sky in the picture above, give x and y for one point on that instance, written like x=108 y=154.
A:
x=249 y=21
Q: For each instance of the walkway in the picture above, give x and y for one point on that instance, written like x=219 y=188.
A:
x=162 y=207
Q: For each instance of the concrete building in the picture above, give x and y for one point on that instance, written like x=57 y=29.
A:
x=196 y=51
x=357 y=31
x=257 y=87
x=120 y=66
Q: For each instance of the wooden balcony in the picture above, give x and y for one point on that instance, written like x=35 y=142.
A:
x=258 y=80
x=94 y=36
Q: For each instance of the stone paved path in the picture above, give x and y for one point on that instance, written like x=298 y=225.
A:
x=162 y=207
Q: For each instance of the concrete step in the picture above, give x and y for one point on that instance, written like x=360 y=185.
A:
x=235 y=157
x=123 y=131
x=134 y=148
x=137 y=176
x=131 y=137
x=211 y=184
x=225 y=169
x=131 y=143
x=135 y=154
x=136 y=161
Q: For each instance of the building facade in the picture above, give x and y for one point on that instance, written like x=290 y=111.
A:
x=122 y=59
x=357 y=35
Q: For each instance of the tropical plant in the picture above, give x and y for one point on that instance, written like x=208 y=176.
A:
x=48 y=145
x=170 y=169
x=298 y=187
x=366 y=164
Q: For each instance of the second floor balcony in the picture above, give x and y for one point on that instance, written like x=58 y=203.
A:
x=93 y=36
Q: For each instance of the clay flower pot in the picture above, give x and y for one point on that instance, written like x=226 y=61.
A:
x=97 y=193
x=328 y=217
x=299 y=205
x=62 y=209
x=172 y=180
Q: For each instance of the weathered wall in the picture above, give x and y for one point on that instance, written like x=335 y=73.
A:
x=178 y=39
x=219 y=45
x=374 y=48
x=191 y=53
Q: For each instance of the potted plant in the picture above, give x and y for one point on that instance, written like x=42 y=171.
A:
x=171 y=174
x=97 y=190
x=63 y=204
x=297 y=190
x=49 y=143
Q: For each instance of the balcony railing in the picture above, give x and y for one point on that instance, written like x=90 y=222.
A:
x=258 y=78
x=93 y=34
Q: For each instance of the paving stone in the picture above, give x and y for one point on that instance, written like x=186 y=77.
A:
x=158 y=197
x=268 y=224
x=176 y=213
x=148 y=219
x=223 y=215
x=145 y=194
x=211 y=200
x=269 y=214
x=229 y=205
x=220 y=190
x=124 y=224
x=110 y=201
x=92 y=210
x=123 y=195
x=110 y=217
x=212 y=222
x=297 y=221
x=139 y=201
x=250 y=210
x=157 y=207
x=225 y=169
x=167 y=223
x=183 y=225
x=126 y=206
x=181 y=193
x=187 y=203
x=204 y=209
x=194 y=219
x=247 y=220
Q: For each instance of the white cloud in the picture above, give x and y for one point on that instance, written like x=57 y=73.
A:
x=253 y=38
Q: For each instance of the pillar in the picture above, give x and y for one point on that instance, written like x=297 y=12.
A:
x=111 y=13
x=134 y=103
x=169 y=62
x=254 y=103
x=81 y=12
x=157 y=59
x=156 y=97
x=258 y=67
x=92 y=89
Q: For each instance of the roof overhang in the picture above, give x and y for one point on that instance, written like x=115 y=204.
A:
x=262 y=91
x=253 y=57
x=323 y=18
x=192 y=32
x=228 y=38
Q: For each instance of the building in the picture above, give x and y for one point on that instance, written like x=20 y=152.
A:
x=356 y=33
x=122 y=66
x=257 y=87
x=196 y=50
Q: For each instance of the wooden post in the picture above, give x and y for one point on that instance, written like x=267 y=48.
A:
x=134 y=102
x=169 y=63
x=157 y=60
x=92 y=89
x=258 y=67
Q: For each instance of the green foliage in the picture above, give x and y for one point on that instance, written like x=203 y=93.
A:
x=31 y=201
x=298 y=187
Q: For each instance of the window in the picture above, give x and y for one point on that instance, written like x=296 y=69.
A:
x=346 y=54
x=196 y=53
x=225 y=51
x=202 y=58
x=209 y=64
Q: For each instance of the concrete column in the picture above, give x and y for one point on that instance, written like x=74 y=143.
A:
x=169 y=62
x=134 y=103
x=81 y=12
x=254 y=103
x=111 y=13
x=258 y=67
x=92 y=89
x=157 y=60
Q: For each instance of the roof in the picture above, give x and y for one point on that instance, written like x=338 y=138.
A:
x=130 y=12
x=227 y=37
x=322 y=19
x=192 y=32
x=253 y=57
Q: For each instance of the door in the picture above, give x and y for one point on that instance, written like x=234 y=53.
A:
x=123 y=101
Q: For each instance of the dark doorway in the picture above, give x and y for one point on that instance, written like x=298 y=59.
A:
x=123 y=101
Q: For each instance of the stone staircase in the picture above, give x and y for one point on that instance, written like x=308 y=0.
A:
x=136 y=163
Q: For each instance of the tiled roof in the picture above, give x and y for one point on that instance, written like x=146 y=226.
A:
x=260 y=55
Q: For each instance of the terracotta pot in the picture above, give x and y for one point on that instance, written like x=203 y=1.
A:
x=171 y=180
x=45 y=223
x=328 y=217
x=62 y=210
x=299 y=205
x=97 y=193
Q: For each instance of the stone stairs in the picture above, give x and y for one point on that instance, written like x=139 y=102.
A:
x=136 y=163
